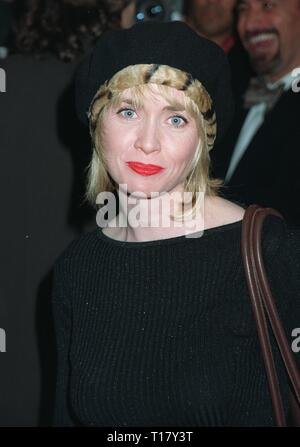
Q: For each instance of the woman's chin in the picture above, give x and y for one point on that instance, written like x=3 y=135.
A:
x=140 y=189
x=143 y=193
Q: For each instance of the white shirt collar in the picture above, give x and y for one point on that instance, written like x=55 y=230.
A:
x=287 y=80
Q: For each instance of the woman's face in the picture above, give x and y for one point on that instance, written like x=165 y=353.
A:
x=149 y=148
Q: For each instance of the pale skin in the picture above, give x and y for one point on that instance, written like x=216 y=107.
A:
x=212 y=19
x=270 y=32
x=156 y=135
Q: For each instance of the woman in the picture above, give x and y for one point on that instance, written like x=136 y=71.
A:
x=154 y=324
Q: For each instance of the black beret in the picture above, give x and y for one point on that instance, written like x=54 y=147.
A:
x=169 y=43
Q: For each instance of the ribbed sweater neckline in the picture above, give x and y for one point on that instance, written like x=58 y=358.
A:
x=168 y=241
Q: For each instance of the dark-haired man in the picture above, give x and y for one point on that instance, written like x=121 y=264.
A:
x=260 y=157
x=215 y=20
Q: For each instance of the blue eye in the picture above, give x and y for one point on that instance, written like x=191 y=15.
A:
x=127 y=113
x=178 y=121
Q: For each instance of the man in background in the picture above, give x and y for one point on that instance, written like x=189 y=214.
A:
x=212 y=19
x=260 y=156
x=215 y=20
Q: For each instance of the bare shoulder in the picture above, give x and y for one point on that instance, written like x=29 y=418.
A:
x=219 y=211
x=230 y=210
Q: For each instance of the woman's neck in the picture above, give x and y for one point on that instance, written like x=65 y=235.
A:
x=153 y=222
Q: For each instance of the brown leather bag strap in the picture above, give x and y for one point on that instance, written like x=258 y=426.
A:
x=264 y=307
x=269 y=302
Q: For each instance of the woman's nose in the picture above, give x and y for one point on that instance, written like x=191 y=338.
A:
x=148 y=137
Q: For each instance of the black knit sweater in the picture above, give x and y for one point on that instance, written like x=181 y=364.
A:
x=161 y=333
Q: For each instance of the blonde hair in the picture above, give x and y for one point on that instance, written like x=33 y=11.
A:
x=198 y=104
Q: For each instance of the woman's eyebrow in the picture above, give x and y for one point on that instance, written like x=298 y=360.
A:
x=176 y=108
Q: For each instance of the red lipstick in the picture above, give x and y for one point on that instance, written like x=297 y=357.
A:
x=144 y=169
